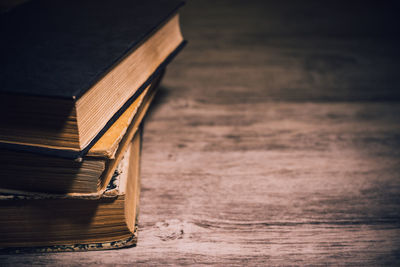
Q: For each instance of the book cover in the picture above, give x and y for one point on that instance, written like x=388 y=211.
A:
x=86 y=61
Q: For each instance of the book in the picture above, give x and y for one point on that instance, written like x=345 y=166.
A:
x=70 y=69
x=22 y=171
x=74 y=223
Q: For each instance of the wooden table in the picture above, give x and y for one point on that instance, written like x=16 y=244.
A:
x=275 y=140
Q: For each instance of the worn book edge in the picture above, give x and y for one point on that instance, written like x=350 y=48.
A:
x=78 y=155
x=112 y=149
x=116 y=188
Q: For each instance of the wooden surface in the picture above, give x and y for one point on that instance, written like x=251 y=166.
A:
x=275 y=140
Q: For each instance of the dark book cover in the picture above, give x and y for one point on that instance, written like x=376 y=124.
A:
x=60 y=49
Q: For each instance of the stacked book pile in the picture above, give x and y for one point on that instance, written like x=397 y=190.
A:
x=77 y=78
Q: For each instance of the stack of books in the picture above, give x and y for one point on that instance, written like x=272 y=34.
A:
x=77 y=78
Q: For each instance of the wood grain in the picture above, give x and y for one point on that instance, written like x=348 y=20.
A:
x=274 y=140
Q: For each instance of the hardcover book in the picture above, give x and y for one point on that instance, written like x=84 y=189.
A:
x=70 y=68
x=74 y=223
x=22 y=171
